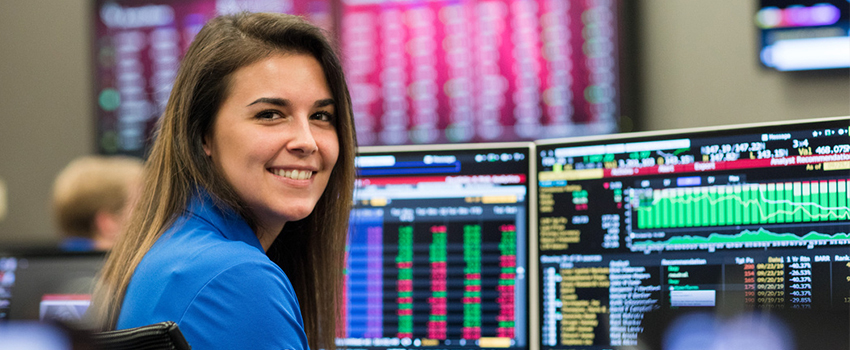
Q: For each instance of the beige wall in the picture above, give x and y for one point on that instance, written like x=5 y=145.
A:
x=698 y=68
x=45 y=117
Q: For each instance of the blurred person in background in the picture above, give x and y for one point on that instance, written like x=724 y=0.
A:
x=92 y=197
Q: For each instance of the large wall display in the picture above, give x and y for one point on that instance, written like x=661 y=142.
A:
x=419 y=71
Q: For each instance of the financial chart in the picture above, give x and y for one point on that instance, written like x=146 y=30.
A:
x=752 y=219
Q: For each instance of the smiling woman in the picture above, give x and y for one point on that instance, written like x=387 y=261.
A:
x=239 y=236
x=274 y=138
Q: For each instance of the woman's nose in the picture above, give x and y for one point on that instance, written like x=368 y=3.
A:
x=302 y=138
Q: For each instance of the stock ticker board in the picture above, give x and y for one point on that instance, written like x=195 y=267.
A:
x=419 y=72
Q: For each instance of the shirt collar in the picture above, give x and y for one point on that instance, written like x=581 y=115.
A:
x=230 y=224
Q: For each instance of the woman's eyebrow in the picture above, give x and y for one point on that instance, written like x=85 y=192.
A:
x=324 y=103
x=282 y=102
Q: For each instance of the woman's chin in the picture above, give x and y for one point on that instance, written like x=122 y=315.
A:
x=295 y=213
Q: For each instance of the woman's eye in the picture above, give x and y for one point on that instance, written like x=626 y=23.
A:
x=268 y=115
x=324 y=116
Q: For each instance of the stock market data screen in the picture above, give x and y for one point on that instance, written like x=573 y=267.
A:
x=438 y=249
x=419 y=71
x=745 y=226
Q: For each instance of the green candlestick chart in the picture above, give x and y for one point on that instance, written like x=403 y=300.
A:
x=744 y=204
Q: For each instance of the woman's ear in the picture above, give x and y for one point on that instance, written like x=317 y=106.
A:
x=206 y=145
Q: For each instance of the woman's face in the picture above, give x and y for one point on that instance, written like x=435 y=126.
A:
x=274 y=138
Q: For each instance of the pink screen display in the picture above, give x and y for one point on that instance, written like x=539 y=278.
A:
x=418 y=71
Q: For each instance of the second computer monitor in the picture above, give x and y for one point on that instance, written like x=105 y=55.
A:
x=708 y=238
x=438 y=248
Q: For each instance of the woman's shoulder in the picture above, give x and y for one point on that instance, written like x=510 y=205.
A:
x=189 y=260
x=196 y=272
x=200 y=252
x=213 y=257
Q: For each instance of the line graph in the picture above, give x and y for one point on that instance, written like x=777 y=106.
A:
x=743 y=204
x=760 y=235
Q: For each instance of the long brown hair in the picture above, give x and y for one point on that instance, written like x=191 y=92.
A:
x=310 y=251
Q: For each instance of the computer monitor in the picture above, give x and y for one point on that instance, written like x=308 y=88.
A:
x=43 y=286
x=796 y=35
x=437 y=256
x=742 y=231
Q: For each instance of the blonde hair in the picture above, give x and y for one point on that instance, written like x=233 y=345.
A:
x=91 y=184
x=310 y=251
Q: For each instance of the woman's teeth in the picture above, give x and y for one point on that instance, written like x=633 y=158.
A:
x=294 y=174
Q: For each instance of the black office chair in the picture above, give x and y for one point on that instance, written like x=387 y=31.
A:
x=158 y=336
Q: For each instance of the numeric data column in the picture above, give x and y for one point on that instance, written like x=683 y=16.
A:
x=556 y=35
x=423 y=86
x=393 y=78
x=472 y=284
x=438 y=255
x=404 y=263
x=359 y=38
x=507 y=282
x=491 y=95
x=526 y=40
x=459 y=88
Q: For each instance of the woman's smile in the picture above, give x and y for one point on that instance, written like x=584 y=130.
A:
x=294 y=174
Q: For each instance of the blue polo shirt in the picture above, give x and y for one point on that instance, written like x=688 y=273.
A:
x=209 y=273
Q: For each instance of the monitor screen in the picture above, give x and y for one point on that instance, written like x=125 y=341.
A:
x=473 y=71
x=437 y=256
x=419 y=72
x=743 y=229
x=47 y=285
x=804 y=34
x=136 y=52
x=8 y=265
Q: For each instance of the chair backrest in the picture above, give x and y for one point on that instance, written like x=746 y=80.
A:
x=157 y=336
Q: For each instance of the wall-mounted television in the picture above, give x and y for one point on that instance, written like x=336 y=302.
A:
x=419 y=72
x=797 y=35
